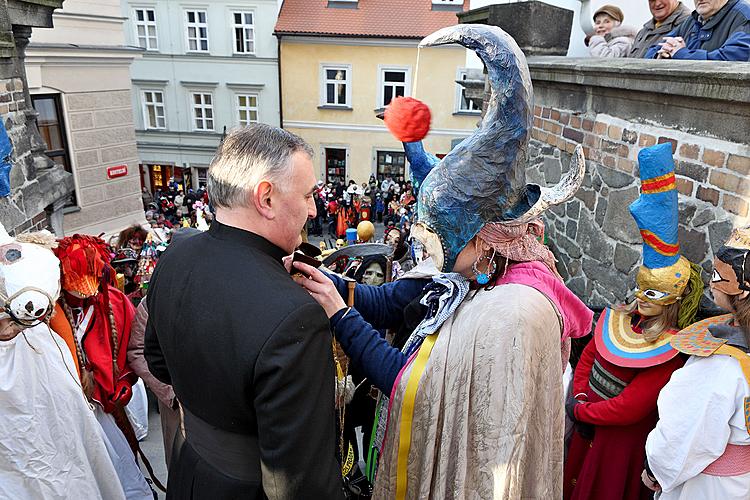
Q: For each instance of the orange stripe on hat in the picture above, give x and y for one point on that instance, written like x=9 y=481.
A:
x=658 y=184
x=658 y=244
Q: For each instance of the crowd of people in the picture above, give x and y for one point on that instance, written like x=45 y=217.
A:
x=717 y=30
x=340 y=207
x=173 y=207
x=436 y=364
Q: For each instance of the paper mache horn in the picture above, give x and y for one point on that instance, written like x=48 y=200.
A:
x=482 y=180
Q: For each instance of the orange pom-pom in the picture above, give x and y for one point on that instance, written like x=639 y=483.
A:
x=408 y=119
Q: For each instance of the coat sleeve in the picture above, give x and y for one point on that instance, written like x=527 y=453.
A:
x=736 y=48
x=155 y=361
x=137 y=360
x=293 y=395
x=695 y=408
x=583 y=369
x=635 y=402
x=617 y=47
x=679 y=31
x=382 y=306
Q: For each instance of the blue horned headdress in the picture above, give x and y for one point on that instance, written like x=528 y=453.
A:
x=483 y=179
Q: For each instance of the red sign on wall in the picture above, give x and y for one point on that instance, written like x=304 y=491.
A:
x=117 y=171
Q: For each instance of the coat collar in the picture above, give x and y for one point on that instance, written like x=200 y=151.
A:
x=229 y=233
x=717 y=18
x=668 y=24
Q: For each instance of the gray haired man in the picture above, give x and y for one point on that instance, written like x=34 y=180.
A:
x=247 y=351
x=666 y=15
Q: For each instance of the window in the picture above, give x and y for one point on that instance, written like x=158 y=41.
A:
x=247 y=109
x=145 y=29
x=391 y=163
x=448 y=2
x=336 y=88
x=153 y=110
x=203 y=111
x=52 y=129
x=197 y=31
x=464 y=105
x=335 y=159
x=244 y=33
x=394 y=83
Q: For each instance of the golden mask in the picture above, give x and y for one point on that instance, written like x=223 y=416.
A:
x=663 y=285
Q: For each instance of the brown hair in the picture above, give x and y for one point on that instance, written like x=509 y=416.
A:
x=741 y=314
x=654 y=326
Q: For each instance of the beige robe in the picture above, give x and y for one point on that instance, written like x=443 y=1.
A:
x=488 y=418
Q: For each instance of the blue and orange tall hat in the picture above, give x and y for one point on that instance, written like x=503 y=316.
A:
x=665 y=273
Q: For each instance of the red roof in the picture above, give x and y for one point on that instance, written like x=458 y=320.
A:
x=366 y=18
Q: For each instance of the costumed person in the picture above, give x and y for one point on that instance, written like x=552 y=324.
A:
x=622 y=370
x=701 y=446
x=51 y=445
x=498 y=315
x=402 y=259
x=132 y=237
x=101 y=317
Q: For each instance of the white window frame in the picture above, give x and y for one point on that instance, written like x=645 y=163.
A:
x=381 y=82
x=449 y=2
x=244 y=27
x=324 y=84
x=247 y=108
x=146 y=24
x=204 y=109
x=146 y=102
x=197 y=25
x=460 y=90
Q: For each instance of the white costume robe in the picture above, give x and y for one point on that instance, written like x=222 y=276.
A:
x=51 y=445
x=700 y=412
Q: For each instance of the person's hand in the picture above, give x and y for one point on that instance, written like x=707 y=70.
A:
x=648 y=482
x=320 y=287
x=670 y=46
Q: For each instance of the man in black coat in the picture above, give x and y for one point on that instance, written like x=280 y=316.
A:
x=246 y=349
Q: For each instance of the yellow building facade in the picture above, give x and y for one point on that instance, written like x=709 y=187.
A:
x=332 y=89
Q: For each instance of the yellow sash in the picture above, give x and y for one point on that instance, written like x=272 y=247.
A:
x=744 y=361
x=407 y=413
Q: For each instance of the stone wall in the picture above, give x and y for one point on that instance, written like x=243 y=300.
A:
x=38 y=187
x=594 y=237
x=102 y=135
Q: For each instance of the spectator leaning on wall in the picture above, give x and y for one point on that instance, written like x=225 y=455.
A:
x=719 y=30
x=666 y=15
x=611 y=38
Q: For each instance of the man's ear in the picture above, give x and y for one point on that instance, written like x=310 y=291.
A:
x=261 y=199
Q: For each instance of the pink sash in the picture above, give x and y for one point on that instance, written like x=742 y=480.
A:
x=734 y=462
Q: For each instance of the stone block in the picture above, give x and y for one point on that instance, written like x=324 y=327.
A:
x=114 y=117
x=646 y=140
x=727 y=182
x=92 y=195
x=625 y=165
x=601 y=209
x=10 y=213
x=610 y=147
x=546 y=112
x=693 y=170
x=713 y=158
x=592 y=241
x=119 y=153
x=570 y=247
x=734 y=204
x=618 y=222
x=718 y=233
x=88 y=177
x=607 y=280
x=740 y=164
x=613 y=178
x=120 y=188
x=709 y=195
x=662 y=140
x=610 y=161
x=690 y=151
x=703 y=217
x=537 y=122
x=693 y=244
x=80 y=102
x=588 y=197
x=537 y=111
x=684 y=186
x=626 y=258
x=573 y=135
x=80 y=121
x=575 y=121
x=552 y=170
x=570 y=229
x=588 y=125
x=555 y=115
x=573 y=208
x=577 y=285
x=100 y=138
x=614 y=132
x=87 y=159
x=600 y=128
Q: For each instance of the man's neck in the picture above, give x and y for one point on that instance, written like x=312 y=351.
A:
x=245 y=219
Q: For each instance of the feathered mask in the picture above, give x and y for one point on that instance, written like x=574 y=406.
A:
x=85 y=264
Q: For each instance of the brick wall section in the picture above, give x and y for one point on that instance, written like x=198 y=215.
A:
x=103 y=135
x=595 y=239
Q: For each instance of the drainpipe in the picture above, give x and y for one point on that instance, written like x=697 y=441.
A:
x=584 y=17
x=278 y=65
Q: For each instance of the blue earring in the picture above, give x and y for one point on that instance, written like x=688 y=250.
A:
x=484 y=278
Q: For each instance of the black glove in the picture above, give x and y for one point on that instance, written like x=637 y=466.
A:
x=585 y=430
